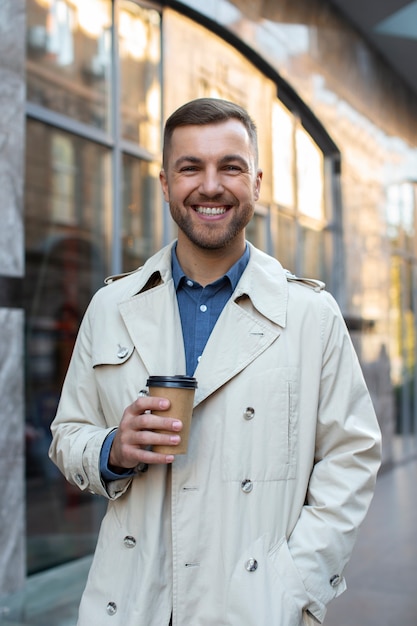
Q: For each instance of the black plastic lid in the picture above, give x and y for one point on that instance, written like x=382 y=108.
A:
x=185 y=382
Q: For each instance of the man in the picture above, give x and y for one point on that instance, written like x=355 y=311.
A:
x=255 y=524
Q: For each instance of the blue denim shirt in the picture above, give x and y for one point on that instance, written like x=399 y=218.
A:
x=199 y=308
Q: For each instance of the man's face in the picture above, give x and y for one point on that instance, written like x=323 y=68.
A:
x=211 y=183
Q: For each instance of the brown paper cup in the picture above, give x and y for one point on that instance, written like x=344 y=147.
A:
x=180 y=391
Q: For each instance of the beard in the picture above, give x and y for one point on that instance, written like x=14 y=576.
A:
x=212 y=235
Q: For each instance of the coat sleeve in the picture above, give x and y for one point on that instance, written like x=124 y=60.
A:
x=347 y=459
x=80 y=428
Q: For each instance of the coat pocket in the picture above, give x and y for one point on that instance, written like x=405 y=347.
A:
x=260 y=437
x=119 y=376
x=258 y=595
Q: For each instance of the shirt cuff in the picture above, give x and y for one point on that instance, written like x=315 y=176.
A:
x=106 y=474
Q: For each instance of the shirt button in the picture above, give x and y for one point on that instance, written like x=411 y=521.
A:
x=111 y=608
x=203 y=308
x=246 y=485
x=335 y=580
x=251 y=565
x=79 y=479
x=129 y=541
x=249 y=413
x=190 y=283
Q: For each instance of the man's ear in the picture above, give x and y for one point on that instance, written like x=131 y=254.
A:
x=164 y=184
x=258 y=181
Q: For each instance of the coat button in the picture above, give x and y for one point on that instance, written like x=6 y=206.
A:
x=122 y=352
x=335 y=580
x=249 y=413
x=246 y=485
x=251 y=565
x=129 y=541
x=111 y=608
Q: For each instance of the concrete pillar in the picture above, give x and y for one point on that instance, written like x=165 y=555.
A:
x=12 y=418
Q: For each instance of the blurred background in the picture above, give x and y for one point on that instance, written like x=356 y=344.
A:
x=85 y=86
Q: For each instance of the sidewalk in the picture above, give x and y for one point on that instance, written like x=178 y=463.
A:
x=382 y=574
x=381 y=577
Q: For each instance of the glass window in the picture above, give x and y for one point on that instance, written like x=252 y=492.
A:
x=68 y=58
x=140 y=57
x=286 y=243
x=283 y=155
x=257 y=231
x=141 y=199
x=310 y=252
x=309 y=176
x=66 y=207
x=401 y=206
x=298 y=185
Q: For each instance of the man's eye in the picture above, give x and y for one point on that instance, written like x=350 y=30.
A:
x=189 y=168
x=232 y=168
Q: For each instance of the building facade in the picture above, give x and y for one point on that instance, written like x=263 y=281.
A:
x=86 y=86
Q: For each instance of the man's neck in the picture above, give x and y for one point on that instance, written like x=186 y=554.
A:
x=205 y=266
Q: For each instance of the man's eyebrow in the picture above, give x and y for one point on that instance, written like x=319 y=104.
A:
x=227 y=158
x=187 y=159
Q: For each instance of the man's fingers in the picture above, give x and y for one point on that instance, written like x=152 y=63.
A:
x=148 y=421
x=149 y=403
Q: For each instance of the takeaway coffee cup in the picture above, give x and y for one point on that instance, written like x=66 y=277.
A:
x=180 y=391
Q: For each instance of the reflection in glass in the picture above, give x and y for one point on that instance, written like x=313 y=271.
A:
x=283 y=155
x=66 y=204
x=400 y=212
x=140 y=56
x=68 y=58
x=309 y=176
x=311 y=253
x=286 y=245
x=141 y=211
x=257 y=229
x=403 y=343
x=400 y=215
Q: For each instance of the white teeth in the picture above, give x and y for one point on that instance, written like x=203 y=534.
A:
x=204 y=210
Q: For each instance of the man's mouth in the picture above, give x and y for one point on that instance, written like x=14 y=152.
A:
x=205 y=210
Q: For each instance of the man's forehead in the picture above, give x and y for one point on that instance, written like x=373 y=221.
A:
x=231 y=125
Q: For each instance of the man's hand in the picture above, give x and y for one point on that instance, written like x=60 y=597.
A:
x=136 y=433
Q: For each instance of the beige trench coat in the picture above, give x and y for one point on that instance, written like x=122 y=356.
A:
x=255 y=525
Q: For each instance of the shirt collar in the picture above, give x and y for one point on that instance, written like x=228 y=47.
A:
x=233 y=274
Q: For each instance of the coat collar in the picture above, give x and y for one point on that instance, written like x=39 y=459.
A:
x=263 y=280
x=251 y=321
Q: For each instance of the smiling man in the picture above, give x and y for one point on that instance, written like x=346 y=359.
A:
x=256 y=523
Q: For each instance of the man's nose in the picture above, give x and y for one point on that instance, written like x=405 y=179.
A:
x=210 y=183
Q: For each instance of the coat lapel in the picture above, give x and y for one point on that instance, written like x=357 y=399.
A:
x=238 y=338
x=153 y=322
x=250 y=322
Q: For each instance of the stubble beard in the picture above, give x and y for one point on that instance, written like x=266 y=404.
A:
x=212 y=236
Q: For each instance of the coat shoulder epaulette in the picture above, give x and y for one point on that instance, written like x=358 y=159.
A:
x=111 y=279
x=312 y=283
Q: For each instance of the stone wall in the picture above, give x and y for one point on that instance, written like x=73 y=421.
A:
x=12 y=129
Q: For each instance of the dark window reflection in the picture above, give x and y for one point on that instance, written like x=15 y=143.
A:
x=65 y=213
x=141 y=220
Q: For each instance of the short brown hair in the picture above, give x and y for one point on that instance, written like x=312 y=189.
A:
x=204 y=111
